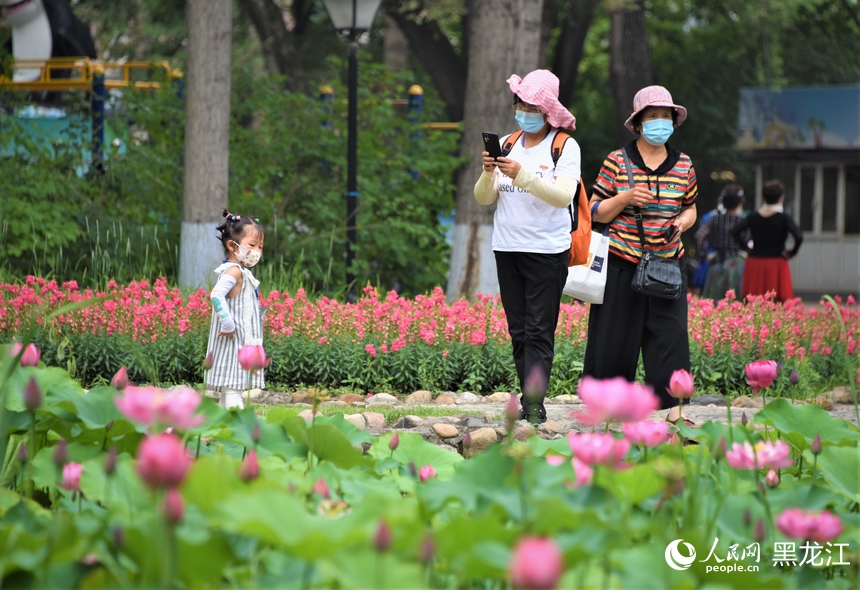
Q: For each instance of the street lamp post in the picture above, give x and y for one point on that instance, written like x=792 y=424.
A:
x=352 y=17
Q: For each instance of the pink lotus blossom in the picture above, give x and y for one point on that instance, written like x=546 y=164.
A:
x=252 y=357
x=152 y=405
x=31 y=355
x=772 y=478
x=536 y=564
x=616 y=400
x=120 y=379
x=321 y=489
x=584 y=473
x=249 y=470
x=681 y=384
x=553 y=459
x=821 y=527
x=765 y=454
x=761 y=374
x=72 y=477
x=173 y=508
x=162 y=461
x=598 y=448
x=647 y=433
x=426 y=472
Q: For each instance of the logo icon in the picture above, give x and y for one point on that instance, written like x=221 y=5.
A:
x=674 y=557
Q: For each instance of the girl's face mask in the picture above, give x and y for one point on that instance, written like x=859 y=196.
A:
x=247 y=257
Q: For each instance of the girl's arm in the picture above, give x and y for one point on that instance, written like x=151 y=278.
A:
x=222 y=289
x=798 y=236
x=737 y=232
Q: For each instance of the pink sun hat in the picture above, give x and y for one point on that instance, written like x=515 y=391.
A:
x=540 y=88
x=654 y=96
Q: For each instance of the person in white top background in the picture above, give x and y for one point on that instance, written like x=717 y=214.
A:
x=531 y=228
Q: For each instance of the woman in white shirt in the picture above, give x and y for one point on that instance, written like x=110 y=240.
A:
x=531 y=228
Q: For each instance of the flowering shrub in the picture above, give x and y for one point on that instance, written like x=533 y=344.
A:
x=403 y=344
x=99 y=500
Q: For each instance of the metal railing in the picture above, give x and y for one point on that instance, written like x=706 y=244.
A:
x=70 y=73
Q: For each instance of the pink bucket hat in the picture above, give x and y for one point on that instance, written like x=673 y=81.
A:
x=654 y=96
x=540 y=88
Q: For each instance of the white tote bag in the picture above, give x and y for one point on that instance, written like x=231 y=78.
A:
x=587 y=281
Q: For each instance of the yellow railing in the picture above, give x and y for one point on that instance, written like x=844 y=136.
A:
x=80 y=71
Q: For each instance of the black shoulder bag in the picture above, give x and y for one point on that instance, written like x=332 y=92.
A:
x=654 y=276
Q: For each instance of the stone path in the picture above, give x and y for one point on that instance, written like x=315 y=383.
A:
x=487 y=425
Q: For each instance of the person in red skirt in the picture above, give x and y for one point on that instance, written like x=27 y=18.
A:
x=767 y=268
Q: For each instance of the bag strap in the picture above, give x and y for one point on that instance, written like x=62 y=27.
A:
x=636 y=210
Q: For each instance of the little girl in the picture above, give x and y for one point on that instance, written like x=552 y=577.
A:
x=237 y=317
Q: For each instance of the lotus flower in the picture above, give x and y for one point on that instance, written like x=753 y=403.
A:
x=681 y=384
x=536 y=564
x=426 y=472
x=555 y=460
x=382 y=539
x=773 y=455
x=616 y=400
x=31 y=355
x=32 y=395
x=162 y=461
x=252 y=357
x=761 y=374
x=772 y=479
x=151 y=405
x=797 y=523
x=584 y=473
x=72 y=477
x=321 y=488
x=647 y=433
x=120 y=379
x=250 y=468
x=173 y=508
x=598 y=448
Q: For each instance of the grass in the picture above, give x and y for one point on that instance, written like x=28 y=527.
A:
x=391 y=414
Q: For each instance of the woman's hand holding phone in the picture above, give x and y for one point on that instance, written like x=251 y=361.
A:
x=489 y=161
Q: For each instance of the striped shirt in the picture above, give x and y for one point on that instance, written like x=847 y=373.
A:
x=674 y=186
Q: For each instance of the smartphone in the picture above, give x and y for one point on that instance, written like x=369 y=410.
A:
x=491 y=144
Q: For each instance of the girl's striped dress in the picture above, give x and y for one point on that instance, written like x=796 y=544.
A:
x=226 y=372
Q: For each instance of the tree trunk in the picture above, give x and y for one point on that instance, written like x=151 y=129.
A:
x=445 y=67
x=504 y=39
x=570 y=47
x=277 y=43
x=396 y=52
x=207 y=138
x=629 y=64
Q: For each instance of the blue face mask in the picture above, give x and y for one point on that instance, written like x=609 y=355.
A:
x=530 y=122
x=657 y=131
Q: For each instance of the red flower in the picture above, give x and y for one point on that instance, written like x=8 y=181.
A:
x=761 y=374
x=536 y=564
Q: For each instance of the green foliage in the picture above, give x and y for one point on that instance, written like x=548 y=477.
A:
x=276 y=530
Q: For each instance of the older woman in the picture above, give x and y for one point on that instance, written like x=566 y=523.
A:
x=531 y=227
x=663 y=202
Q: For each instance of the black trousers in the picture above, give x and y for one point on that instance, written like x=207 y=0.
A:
x=531 y=285
x=628 y=322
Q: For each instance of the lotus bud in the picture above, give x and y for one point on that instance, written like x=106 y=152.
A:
x=779 y=367
x=208 y=362
x=512 y=410
x=321 y=489
x=467 y=441
x=394 y=442
x=815 y=448
x=120 y=379
x=109 y=426
x=256 y=435
x=173 y=508
x=249 y=470
x=292 y=487
x=772 y=478
x=759 y=533
x=61 y=453
x=382 y=540
x=744 y=419
x=110 y=462
x=118 y=537
x=32 y=396
x=747 y=517
x=413 y=469
x=23 y=455
x=427 y=549
x=793 y=378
